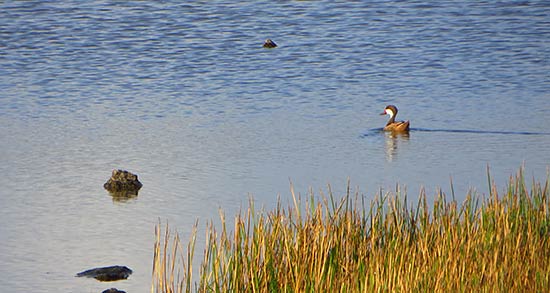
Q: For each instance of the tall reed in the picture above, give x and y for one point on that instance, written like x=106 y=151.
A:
x=498 y=243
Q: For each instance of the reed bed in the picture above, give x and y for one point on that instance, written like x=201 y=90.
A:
x=498 y=242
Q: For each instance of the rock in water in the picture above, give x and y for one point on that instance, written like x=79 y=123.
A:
x=106 y=274
x=269 y=44
x=122 y=180
x=113 y=290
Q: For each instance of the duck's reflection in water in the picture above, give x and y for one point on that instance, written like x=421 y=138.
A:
x=393 y=141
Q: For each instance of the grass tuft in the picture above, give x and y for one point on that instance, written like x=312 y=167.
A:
x=498 y=243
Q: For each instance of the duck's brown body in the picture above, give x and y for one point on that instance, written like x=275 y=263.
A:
x=397 y=126
x=392 y=125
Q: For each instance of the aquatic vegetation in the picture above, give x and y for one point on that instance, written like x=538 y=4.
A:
x=498 y=242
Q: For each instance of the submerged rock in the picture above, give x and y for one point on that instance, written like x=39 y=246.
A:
x=106 y=274
x=122 y=181
x=269 y=44
x=123 y=196
x=113 y=290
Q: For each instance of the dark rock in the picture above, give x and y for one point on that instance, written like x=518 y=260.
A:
x=107 y=274
x=269 y=44
x=113 y=290
x=122 y=181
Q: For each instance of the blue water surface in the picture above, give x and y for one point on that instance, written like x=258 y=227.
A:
x=184 y=95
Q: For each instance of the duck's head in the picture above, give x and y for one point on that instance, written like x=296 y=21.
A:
x=390 y=110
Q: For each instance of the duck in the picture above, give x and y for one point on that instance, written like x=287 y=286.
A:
x=392 y=125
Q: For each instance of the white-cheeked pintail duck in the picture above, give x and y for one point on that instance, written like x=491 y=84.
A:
x=392 y=125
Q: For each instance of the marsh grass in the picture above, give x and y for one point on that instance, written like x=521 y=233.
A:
x=497 y=243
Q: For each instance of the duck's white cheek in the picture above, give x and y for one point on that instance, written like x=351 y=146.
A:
x=389 y=112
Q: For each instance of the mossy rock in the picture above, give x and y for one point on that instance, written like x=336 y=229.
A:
x=122 y=180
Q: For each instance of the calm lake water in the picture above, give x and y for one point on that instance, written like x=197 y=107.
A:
x=184 y=95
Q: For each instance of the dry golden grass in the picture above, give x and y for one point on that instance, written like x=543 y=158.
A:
x=499 y=243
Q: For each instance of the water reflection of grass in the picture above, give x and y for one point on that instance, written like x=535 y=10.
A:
x=498 y=243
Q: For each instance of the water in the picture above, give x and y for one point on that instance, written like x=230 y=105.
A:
x=185 y=96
